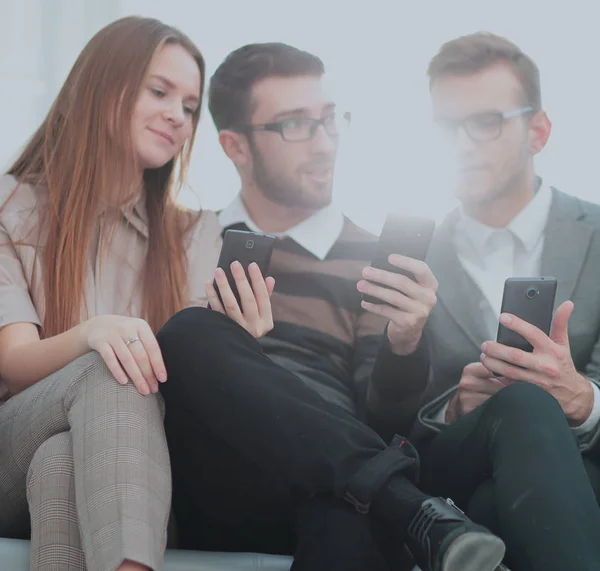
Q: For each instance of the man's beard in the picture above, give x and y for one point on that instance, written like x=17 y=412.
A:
x=284 y=191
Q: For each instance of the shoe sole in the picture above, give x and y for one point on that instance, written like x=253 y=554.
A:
x=474 y=551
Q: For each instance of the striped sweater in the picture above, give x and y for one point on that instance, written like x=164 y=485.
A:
x=323 y=335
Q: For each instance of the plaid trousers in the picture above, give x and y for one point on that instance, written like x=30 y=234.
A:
x=90 y=457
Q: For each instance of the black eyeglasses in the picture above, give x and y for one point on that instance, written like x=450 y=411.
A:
x=299 y=129
x=482 y=127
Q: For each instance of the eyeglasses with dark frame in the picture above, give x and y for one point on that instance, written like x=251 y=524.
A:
x=301 y=129
x=482 y=127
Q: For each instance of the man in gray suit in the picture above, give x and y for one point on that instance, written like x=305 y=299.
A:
x=503 y=446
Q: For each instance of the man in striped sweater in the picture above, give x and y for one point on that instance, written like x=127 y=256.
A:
x=280 y=129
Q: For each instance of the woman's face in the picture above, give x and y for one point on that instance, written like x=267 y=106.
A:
x=163 y=115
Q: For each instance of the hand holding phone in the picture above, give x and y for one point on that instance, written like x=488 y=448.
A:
x=399 y=286
x=529 y=299
x=240 y=289
x=245 y=248
x=404 y=236
x=539 y=357
x=532 y=300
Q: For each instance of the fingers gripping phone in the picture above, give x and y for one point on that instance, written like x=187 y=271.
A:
x=404 y=235
x=245 y=248
x=531 y=299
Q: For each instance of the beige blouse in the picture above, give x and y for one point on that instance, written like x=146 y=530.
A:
x=113 y=286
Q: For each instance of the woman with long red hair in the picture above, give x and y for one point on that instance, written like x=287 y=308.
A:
x=95 y=256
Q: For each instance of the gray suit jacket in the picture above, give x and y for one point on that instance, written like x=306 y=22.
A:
x=455 y=332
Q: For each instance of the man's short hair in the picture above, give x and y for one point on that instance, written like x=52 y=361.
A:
x=474 y=53
x=230 y=91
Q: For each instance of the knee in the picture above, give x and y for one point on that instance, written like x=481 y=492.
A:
x=89 y=380
x=199 y=333
x=190 y=318
x=196 y=322
x=51 y=468
x=87 y=369
x=528 y=402
x=525 y=395
x=86 y=375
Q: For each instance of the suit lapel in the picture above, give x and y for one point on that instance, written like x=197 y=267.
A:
x=457 y=292
x=566 y=244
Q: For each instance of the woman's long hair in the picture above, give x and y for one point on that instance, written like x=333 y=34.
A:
x=83 y=154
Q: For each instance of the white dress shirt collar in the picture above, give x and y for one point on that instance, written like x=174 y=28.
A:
x=528 y=225
x=317 y=234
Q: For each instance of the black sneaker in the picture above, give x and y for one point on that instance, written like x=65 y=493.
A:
x=442 y=538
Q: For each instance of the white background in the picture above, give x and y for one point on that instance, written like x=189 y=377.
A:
x=376 y=53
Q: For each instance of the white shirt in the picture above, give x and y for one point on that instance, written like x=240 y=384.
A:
x=317 y=234
x=491 y=255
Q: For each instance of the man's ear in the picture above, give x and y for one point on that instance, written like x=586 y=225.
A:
x=235 y=146
x=540 y=128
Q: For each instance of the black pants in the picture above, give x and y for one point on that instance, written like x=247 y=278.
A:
x=513 y=464
x=223 y=502
x=259 y=459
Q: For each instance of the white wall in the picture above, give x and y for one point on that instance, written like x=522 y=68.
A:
x=376 y=53
x=20 y=84
x=39 y=41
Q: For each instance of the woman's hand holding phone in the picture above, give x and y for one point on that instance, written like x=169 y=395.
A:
x=254 y=312
x=550 y=364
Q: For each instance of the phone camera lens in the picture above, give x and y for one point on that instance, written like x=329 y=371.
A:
x=531 y=293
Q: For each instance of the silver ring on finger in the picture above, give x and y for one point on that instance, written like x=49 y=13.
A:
x=131 y=340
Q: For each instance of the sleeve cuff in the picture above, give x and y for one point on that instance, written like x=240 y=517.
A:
x=440 y=416
x=404 y=374
x=594 y=417
x=15 y=307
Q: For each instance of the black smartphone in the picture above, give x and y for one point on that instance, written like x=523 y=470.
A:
x=531 y=299
x=245 y=248
x=405 y=235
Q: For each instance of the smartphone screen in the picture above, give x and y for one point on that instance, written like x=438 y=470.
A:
x=404 y=235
